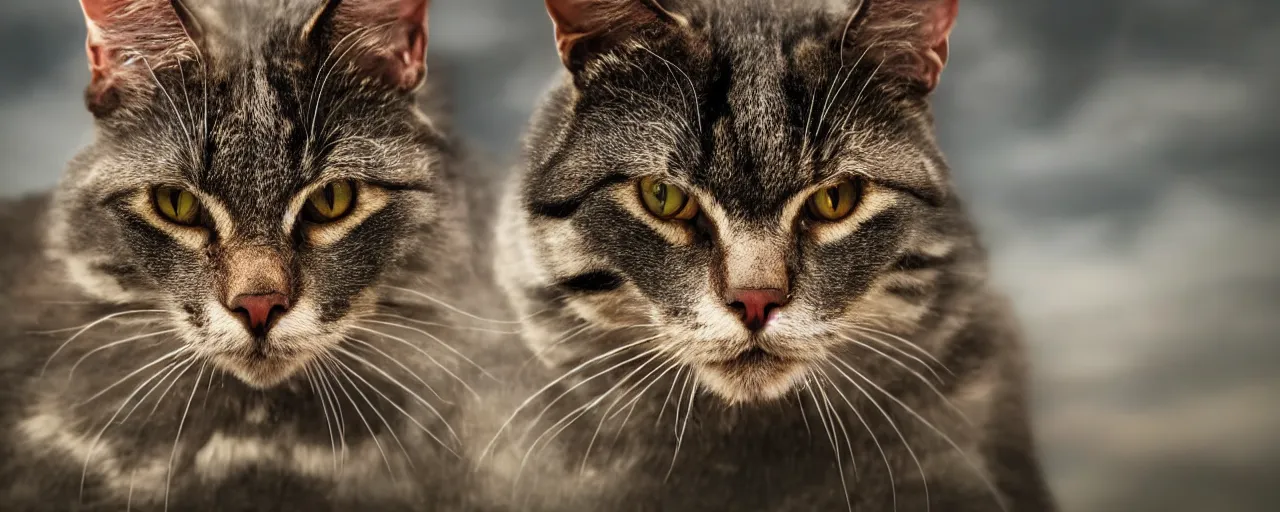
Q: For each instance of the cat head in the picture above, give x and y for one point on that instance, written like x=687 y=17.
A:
x=757 y=180
x=259 y=169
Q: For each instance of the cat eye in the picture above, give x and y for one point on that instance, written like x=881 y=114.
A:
x=330 y=203
x=177 y=205
x=835 y=202
x=666 y=201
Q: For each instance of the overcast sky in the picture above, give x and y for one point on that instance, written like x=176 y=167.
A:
x=1121 y=155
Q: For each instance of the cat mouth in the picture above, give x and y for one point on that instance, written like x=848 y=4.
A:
x=262 y=370
x=752 y=358
x=753 y=375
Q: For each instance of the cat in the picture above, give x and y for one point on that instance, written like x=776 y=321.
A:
x=746 y=276
x=243 y=294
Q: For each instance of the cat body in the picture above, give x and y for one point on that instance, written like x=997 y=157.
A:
x=244 y=295
x=745 y=279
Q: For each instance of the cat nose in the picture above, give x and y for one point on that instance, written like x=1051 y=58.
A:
x=755 y=305
x=258 y=311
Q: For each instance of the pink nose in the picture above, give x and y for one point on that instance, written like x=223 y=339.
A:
x=755 y=305
x=258 y=309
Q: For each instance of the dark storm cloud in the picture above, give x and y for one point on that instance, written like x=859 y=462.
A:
x=1120 y=154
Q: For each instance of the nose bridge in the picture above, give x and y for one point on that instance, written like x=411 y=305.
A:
x=254 y=270
x=754 y=258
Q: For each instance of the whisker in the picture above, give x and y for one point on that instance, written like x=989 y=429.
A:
x=347 y=375
x=909 y=344
x=433 y=410
x=666 y=401
x=168 y=479
x=928 y=367
x=946 y=401
x=98 y=438
x=91 y=325
x=895 y=427
x=180 y=369
x=318 y=91
x=804 y=415
x=584 y=381
x=693 y=89
x=693 y=392
x=828 y=426
x=605 y=415
x=630 y=406
x=566 y=421
x=336 y=371
x=133 y=373
x=453 y=308
x=323 y=376
x=71 y=373
x=437 y=340
x=181 y=122
x=324 y=411
x=441 y=325
x=424 y=353
x=398 y=363
x=835 y=447
x=550 y=385
x=893 y=488
x=566 y=392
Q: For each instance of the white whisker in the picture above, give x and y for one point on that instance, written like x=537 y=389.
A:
x=424 y=353
x=91 y=325
x=437 y=340
x=372 y=435
x=390 y=430
x=550 y=385
x=71 y=373
x=453 y=308
x=168 y=479
x=946 y=401
x=420 y=400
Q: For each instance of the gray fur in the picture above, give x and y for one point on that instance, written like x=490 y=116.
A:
x=248 y=114
x=750 y=104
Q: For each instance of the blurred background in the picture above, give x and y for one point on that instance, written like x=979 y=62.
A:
x=1120 y=154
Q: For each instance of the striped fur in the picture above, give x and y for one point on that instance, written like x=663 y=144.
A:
x=891 y=329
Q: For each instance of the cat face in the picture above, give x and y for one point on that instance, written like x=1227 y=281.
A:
x=258 y=186
x=756 y=182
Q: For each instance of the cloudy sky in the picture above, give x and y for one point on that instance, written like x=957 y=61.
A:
x=1121 y=154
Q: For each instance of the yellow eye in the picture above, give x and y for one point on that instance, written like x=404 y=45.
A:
x=331 y=202
x=177 y=205
x=835 y=202
x=666 y=201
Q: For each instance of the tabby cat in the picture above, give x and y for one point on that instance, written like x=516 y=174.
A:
x=748 y=277
x=251 y=278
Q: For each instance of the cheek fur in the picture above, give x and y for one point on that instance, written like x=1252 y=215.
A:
x=664 y=273
x=335 y=274
x=834 y=273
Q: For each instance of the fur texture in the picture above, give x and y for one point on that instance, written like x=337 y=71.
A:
x=127 y=380
x=891 y=376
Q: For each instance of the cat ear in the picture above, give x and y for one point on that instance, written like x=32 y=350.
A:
x=584 y=27
x=910 y=37
x=388 y=37
x=122 y=32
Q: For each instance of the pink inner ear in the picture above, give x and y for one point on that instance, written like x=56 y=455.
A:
x=579 y=20
x=99 y=11
x=939 y=20
x=940 y=17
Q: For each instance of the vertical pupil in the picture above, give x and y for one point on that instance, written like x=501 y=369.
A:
x=660 y=192
x=833 y=199
x=174 y=202
x=329 y=194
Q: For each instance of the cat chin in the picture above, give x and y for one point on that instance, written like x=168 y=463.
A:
x=752 y=379
x=262 y=372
